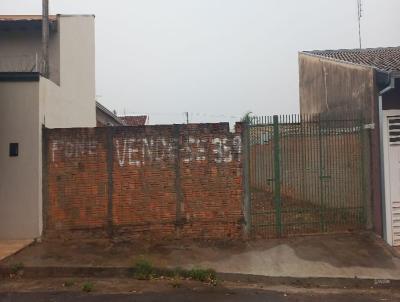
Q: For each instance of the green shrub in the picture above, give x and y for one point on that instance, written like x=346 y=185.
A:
x=17 y=267
x=87 y=287
x=203 y=275
x=143 y=270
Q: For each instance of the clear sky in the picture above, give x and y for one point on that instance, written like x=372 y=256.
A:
x=216 y=59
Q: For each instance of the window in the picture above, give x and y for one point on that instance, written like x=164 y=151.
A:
x=394 y=130
x=13 y=149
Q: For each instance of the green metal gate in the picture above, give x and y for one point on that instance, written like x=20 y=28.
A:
x=306 y=175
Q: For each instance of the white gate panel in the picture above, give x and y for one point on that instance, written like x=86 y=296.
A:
x=392 y=178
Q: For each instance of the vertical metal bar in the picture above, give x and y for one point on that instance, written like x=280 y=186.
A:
x=363 y=179
x=329 y=154
x=343 y=160
x=335 y=189
x=284 y=163
x=256 y=154
x=336 y=182
x=271 y=205
x=308 y=176
x=254 y=172
x=314 y=193
x=298 y=141
x=329 y=147
x=321 y=176
x=359 y=149
x=303 y=156
x=296 y=138
x=350 y=172
x=260 y=150
x=277 y=177
x=258 y=217
x=345 y=171
x=352 y=140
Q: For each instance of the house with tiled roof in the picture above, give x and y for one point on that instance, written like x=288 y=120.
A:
x=106 y=118
x=364 y=83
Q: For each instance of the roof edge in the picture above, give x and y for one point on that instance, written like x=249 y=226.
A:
x=25 y=16
x=77 y=15
x=103 y=109
x=341 y=61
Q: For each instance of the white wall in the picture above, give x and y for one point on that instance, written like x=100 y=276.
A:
x=73 y=104
x=20 y=181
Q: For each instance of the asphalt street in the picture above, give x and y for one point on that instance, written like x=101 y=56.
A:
x=188 y=295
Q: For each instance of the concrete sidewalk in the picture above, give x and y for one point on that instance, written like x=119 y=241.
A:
x=331 y=256
x=10 y=247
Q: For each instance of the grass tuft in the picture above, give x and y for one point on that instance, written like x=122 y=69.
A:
x=87 y=287
x=176 y=282
x=143 y=270
x=17 y=267
x=202 y=275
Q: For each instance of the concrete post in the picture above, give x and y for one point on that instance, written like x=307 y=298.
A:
x=246 y=178
x=45 y=38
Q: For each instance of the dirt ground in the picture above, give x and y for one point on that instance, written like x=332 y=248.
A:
x=10 y=247
x=358 y=249
x=331 y=256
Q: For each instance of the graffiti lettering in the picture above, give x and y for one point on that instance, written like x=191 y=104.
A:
x=73 y=149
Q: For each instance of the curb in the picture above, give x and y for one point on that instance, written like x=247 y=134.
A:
x=314 y=282
x=124 y=272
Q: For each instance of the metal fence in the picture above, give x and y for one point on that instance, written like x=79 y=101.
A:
x=307 y=175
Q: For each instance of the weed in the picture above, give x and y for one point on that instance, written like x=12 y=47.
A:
x=143 y=270
x=176 y=282
x=68 y=283
x=202 y=275
x=87 y=287
x=175 y=273
x=17 y=267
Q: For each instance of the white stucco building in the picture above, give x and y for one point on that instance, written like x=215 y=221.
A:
x=29 y=101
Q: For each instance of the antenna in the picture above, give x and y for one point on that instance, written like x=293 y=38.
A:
x=359 y=16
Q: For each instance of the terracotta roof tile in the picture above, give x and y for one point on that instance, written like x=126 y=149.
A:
x=138 y=120
x=385 y=59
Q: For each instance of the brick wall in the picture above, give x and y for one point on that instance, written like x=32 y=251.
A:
x=175 y=181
